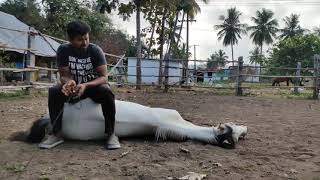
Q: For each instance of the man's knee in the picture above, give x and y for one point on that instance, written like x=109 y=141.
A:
x=105 y=90
x=55 y=90
x=101 y=94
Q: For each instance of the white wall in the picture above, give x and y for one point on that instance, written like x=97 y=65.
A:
x=152 y=71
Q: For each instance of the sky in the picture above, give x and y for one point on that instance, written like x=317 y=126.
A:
x=203 y=34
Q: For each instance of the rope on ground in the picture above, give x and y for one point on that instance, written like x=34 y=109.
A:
x=26 y=166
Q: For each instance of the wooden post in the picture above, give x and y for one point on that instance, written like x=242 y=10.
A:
x=239 y=78
x=316 y=76
x=51 y=73
x=1 y=77
x=119 y=75
x=166 y=72
x=1 y=73
x=297 y=80
x=30 y=57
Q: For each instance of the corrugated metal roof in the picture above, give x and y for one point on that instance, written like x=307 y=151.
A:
x=14 y=37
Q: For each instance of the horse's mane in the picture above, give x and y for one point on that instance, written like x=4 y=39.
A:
x=166 y=133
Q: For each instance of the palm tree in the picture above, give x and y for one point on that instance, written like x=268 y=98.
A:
x=255 y=56
x=192 y=8
x=231 y=29
x=218 y=59
x=292 y=27
x=221 y=57
x=265 y=28
x=212 y=61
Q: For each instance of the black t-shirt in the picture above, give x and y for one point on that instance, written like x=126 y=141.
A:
x=82 y=62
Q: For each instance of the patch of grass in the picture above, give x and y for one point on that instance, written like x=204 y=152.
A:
x=43 y=177
x=316 y=178
x=20 y=93
x=16 y=168
x=278 y=93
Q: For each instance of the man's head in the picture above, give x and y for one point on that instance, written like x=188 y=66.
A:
x=78 y=33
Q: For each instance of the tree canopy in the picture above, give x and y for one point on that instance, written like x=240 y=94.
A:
x=54 y=15
x=289 y=52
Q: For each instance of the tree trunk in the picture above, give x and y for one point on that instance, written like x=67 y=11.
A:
x=180 y=29
x=161 y=47
x=260 y=62
x=138 y=66
x=232 y=55
x=168 y=56
x=185 y=62
x=152 y=34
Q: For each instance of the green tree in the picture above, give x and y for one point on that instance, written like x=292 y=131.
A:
x=316 y=30
x=218 y=59
x=27 y=11
x=265 y=28
x=292 y=27
x=55 y=14
x=231 y=29
x=60 y=12
x=256 y=57
x=289 y=52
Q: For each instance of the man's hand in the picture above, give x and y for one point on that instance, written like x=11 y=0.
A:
x=69 y=88
x=80 y=89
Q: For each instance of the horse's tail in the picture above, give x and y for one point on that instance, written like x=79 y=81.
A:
x=35 y=134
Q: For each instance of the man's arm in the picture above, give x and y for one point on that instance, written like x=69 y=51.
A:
x=102 y=79
x=68 y=84
x=65 y=74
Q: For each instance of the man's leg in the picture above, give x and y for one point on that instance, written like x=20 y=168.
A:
x=56 y=100
x=103 y=95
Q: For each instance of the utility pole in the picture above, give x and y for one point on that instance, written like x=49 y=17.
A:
x=138 y=45
x=186 y=62
x=195 y=61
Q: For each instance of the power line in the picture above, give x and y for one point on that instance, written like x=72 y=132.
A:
x=257 y=3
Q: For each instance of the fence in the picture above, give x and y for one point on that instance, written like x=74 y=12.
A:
x=237 y=74
x=297 y=77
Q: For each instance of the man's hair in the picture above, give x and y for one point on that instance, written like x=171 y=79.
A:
x=76 y=28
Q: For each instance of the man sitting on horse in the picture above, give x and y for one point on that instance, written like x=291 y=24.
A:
x=83 y=73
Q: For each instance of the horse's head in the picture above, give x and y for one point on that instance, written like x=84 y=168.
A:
x=229 y=133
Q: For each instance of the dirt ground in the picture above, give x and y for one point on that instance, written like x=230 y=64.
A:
x=283 y=142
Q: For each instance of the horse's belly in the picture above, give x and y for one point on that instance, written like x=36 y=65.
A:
x=134 y=120
x=128 y=129
x=83 y=121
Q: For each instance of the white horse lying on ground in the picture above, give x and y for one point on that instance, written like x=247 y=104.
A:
x=84 y=121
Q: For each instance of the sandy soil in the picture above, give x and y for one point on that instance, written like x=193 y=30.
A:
x=283 y=142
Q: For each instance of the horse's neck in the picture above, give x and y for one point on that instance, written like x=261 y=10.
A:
x=206 y=134
x=188 y=131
